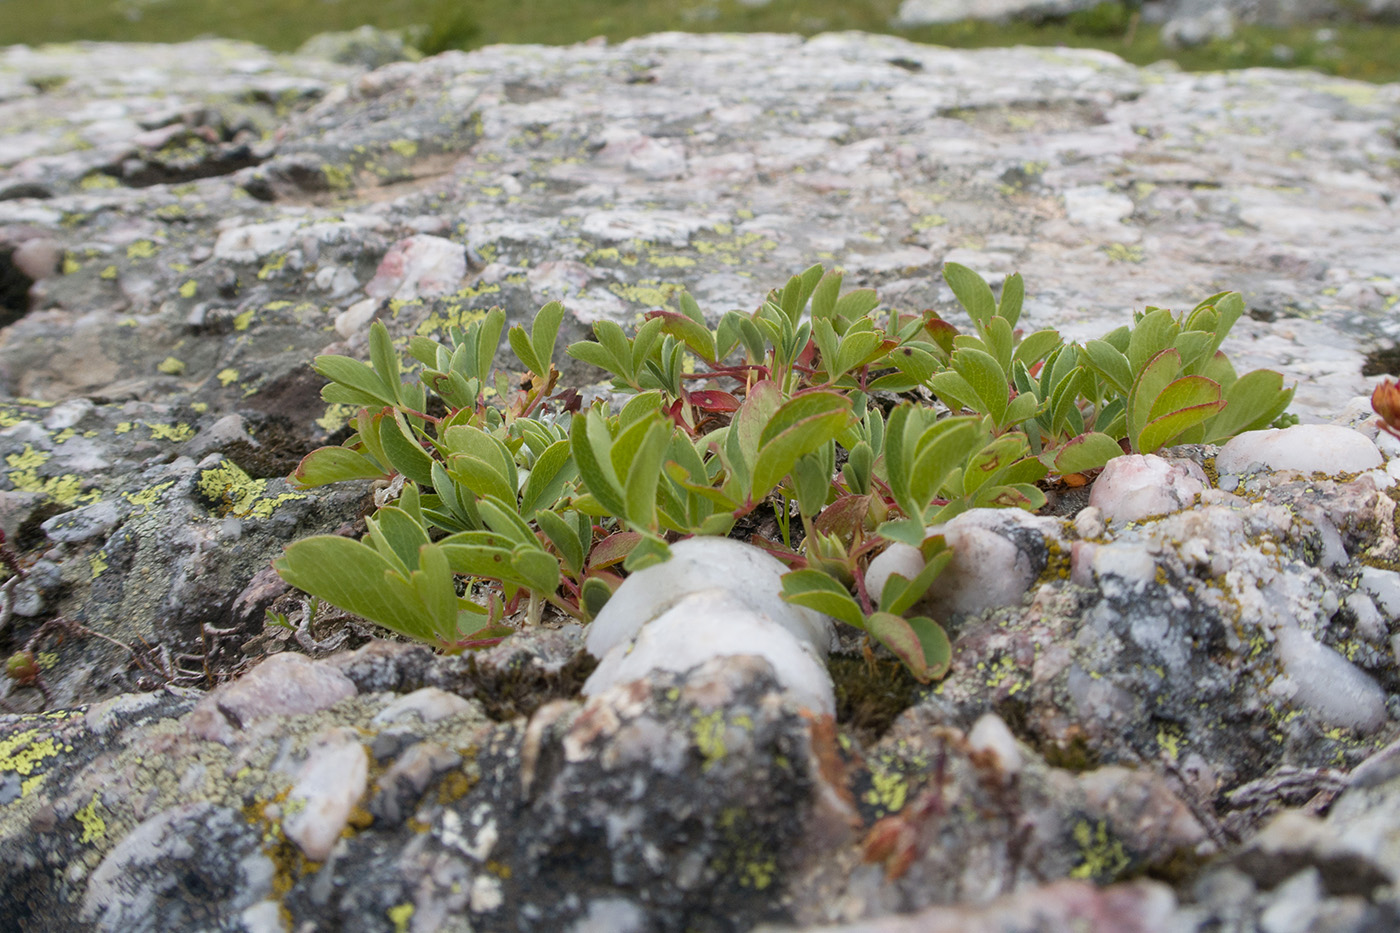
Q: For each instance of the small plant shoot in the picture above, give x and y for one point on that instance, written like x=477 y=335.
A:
x=855 y=426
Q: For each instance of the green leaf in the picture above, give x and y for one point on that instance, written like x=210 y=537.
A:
x=1186 y=392
x=813 y=589
x=854 y=305
x=592 y=448
x=941 y=449
x=433 y=583
x=1000 y=341
x=355 y=578
x=502 y=518
x=1037 y=346
x=972 y=292
x=955 y=391
x=564 y=537
x=987 y=464
x=1150 y=383
x=524 y=351
x=649 y=550
x=919 y=365
x=354 y=375
x=919 y=642
x=1163 y=430
x=824 y=296
x=544 y=332
x=326 y=465
x=1252 y=402
x=553 y=469
x=395 y=534
x=900 y=594
x=1013 y=292
x=1085 y=452
x=404 y=451
x=987 y=379
x=1022 y=408
x=856 y=349
x=694 y=334
x=386 y=361
x=486 y=335
x=644 y=472
x=799 y=426
x=1112 y=365
x=1151 y=335
x=594 y=595
x=594 y=354
x=538 y=569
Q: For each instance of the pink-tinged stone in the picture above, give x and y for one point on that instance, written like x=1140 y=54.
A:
x=419 y=267
x=1138 y=486
x=1138 y=907
x=1306 y=448
x=284 y=685
x=329 y=785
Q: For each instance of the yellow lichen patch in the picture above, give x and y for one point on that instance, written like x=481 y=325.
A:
x=94 y=826
x=70 y=265
x=227 y=376
x=23 y=753
x=141 y=249
x=1123 y=252
x=337 y=176
x=171 y=366
x=147 y=497
x=335 y=417
x=189 y=289
x=889 y=790
x=108 y=273
x=708 y=732
x=671 y=262
x=97 y=563
x=238 y=494
x=24 y=477
x=272 y=267
x=400 y=916
x=1103 y=858
x=179 y=433
x=97 y=181
x=458 y=315
x=649 y=292
x=405 y=147
x=241 y=321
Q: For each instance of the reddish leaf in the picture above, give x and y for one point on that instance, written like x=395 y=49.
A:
x=613 y=549
x=713 y=400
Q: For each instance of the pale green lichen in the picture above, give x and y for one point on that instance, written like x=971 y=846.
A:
x=1103 y=858
x=94 y=826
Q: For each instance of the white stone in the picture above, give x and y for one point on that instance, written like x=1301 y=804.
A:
x=419 y=266
x=1306 y=448
x=253 y=242
x=1135 y=487
x=329 y=786
x=989 y=569
x=1384 y=587
x=697 y=564
x=1096 y=206
x=356 y=318
x=716 y=623
x=428 y=704
x=991 y=735
x=1338 y=691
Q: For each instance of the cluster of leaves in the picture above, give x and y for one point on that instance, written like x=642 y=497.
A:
x=866 y=427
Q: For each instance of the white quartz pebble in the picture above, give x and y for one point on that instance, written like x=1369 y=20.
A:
x=1140 y=486
x=1306 y=448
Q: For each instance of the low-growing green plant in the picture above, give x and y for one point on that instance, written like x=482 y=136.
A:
x=864 y=427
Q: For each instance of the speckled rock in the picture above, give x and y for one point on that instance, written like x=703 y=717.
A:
x=190 y=225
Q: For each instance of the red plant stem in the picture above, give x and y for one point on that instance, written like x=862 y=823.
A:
x=861 y=593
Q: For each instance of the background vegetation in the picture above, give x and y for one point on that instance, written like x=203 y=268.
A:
x=1357 y=51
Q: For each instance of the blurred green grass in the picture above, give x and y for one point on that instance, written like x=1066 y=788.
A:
x=1366 y=51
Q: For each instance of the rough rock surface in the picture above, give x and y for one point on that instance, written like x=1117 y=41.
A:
x=182 y=228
